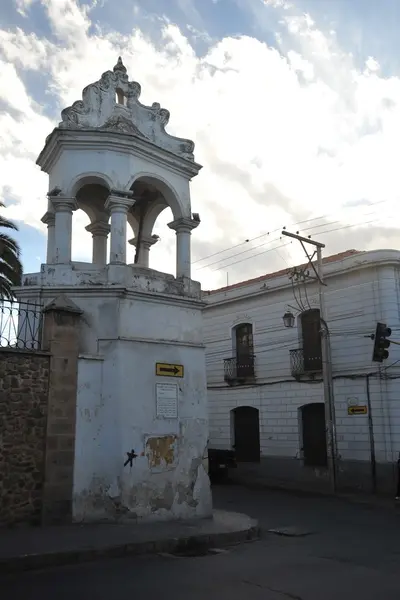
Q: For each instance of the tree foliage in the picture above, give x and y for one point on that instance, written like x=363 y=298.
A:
x=10 y=263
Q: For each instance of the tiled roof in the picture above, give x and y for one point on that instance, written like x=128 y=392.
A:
x=328 y=259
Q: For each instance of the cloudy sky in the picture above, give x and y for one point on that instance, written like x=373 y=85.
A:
x=294 y=107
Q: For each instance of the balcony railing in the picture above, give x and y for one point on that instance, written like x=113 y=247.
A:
x=239 y=369
x=301 y=364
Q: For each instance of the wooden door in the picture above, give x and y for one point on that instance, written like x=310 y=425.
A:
x=314 y=435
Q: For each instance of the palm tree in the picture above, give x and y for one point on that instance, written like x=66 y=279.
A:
x=10 y=263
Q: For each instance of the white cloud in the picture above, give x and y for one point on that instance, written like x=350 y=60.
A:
x=12 y=90
x=24 y=50
x=283 y=135
x=69 y=21
x=278 y=4
x=23 y=5
x=372 y=64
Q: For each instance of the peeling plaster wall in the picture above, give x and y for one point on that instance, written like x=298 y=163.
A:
x=96 y=435
x=88 y=275
x=143 y=304
x=133 y=318
x=116 y=414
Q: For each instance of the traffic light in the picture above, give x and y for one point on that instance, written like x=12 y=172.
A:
x=381 y=343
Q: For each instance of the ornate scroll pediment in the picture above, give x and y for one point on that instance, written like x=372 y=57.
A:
x=112 y=104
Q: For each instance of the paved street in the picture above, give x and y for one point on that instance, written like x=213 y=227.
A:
x=341 y=551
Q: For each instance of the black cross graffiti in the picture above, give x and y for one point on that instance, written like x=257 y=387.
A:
x=131 y=455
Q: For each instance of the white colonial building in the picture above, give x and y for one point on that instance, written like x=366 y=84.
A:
x=265 y=392
x=141 y=388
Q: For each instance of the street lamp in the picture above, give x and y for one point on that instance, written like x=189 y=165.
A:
x=288 y=319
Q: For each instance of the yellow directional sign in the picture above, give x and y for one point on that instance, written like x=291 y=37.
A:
x=357 y=410
x=168 y=370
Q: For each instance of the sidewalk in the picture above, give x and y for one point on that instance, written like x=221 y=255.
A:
x=37 y=548
x=381 y=502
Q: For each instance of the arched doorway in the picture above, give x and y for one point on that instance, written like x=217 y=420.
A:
x=246 y=427
x=314 y=434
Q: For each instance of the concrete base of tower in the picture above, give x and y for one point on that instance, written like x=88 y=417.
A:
x=140 y=427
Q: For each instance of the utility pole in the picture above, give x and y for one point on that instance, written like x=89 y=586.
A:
x=326 y=355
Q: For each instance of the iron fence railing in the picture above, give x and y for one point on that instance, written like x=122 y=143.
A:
x=301 y=364
x=20 y=325
x=239 y=368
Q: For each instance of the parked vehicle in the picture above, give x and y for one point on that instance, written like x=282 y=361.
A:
x=219 y=462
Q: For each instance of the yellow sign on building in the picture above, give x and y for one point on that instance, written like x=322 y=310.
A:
x=357 y=410
x=169 y=370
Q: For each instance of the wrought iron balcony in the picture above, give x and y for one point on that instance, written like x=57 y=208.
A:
x=239 y=369
x=303 y=364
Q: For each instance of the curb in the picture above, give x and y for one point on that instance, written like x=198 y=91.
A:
x=29 y=562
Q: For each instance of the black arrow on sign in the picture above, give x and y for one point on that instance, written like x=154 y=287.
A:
x=174 y=370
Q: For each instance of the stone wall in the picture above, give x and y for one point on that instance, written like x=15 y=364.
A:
x=24 y=380
x=61 y=340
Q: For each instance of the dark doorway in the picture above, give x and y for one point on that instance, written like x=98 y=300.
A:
x=246 y=425
x=314 y=435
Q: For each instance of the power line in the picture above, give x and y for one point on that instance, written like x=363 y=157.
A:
x=237 y=254
x=348 y=226
x=358 y=224
x=281 y=246
x=279 y=229
x=226 y=250
x=374 y=212
x=261 y=348
x=352 y=377
x=252 y=256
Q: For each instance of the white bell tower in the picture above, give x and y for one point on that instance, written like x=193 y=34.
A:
x=112 y=158
x=141 y=368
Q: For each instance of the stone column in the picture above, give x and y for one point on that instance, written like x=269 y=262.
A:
x=146 y=242
x=183 y=228
x=64 y=208
x=99 y=231
x=118 y=205
x=61 y=339
x=49 y=219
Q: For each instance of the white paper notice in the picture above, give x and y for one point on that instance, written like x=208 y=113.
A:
x=167 y=400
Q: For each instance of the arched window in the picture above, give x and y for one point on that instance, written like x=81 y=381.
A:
x=120 y=97
x=240 y=367
x=310 y=324
x=244 y=350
